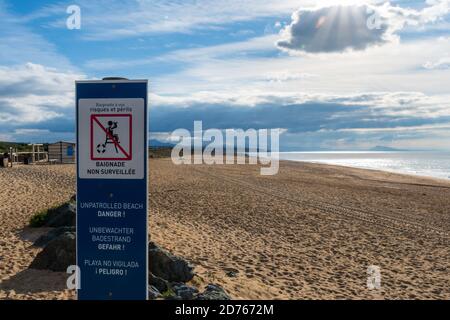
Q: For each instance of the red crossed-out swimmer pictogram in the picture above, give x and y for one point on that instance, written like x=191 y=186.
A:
x=111 y=137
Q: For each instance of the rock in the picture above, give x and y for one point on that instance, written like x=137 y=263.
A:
x=213 y=292
x=62 y=216
x=160 y=284
x=58 y=254
x=52 y=234
x=153 y=293
x=73 y=198
x=184 y=291
x=167 y=266
x=231 y=272
x=172 y=297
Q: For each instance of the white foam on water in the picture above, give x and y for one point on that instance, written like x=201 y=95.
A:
x=429 y=164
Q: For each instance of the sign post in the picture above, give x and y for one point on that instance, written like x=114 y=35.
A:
x=112 y=235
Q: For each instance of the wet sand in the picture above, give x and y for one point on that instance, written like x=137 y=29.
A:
x=309 y=232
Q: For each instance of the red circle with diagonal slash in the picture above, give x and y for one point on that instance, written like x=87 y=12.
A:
x=128 y=155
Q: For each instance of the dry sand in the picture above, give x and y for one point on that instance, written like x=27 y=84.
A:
x=309 y=232
x=25 y=190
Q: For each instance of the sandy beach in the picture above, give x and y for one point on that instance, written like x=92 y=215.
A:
x=309 y=232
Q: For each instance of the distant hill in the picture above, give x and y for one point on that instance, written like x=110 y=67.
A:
x=158 y=144
x=383 y=148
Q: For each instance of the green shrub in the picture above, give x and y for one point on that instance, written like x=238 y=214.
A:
x=168 y=293
x=38 y=219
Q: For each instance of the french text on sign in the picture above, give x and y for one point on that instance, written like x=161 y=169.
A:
x=110 y=132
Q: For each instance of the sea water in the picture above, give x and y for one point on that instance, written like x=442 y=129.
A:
x=430 y=164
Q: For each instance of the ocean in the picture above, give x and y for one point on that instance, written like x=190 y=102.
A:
x=429 y=164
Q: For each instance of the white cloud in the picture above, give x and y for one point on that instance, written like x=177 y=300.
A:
x=442 y=63
x=26 y=111
x=32 y=93
x=340 y=27
x=401 y=129
x=288 y=75
x=191 y=55
x=312 y=120
x=332 y=29
x=31 y=131
x=32 y=78
x=392 y=67
x=382 y=104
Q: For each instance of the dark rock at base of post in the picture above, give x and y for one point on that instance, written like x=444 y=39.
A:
x=58 y=254
x=52 y=234
x=157 y=282
x=213 y=292
x=153 y=293
x=183 y=291
x=62 y=216
x=165 y=265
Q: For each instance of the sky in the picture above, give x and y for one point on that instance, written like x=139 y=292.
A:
x=333 y=75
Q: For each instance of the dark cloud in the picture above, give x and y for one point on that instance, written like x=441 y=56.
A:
x=23 y=87
x=333 y=29
x=310 y=126
x=60 y=124
x=296 y=118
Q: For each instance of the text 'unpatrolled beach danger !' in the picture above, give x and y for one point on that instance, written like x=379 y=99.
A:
x=111 y=140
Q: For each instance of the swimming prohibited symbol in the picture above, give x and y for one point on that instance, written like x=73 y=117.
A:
x=111 y=136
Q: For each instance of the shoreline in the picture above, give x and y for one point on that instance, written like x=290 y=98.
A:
x=434 y=164
x=403 y=173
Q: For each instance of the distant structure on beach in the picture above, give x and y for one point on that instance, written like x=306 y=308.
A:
x=33 y=153
x=61 y=152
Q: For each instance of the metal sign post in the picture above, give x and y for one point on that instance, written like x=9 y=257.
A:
x=112 y=235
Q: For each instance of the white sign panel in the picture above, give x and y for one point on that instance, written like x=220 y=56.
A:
x=110 y=138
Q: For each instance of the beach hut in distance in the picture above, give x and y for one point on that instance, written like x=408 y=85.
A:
x=61 y=152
